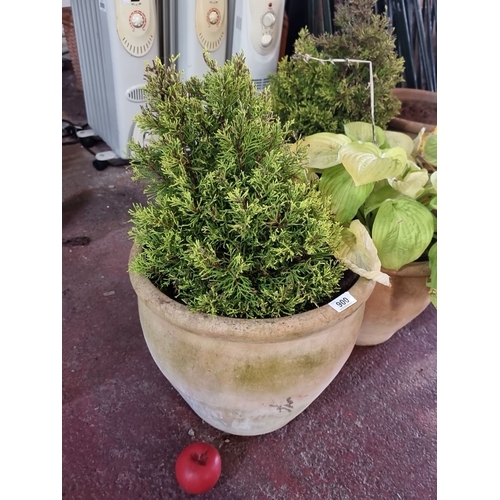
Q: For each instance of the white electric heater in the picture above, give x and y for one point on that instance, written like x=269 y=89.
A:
x=257 y=32
x=201 y=24
x=115 y=38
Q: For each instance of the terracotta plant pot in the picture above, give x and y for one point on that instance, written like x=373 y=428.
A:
x=390 y=308
x=248 y=377
x=418 y=109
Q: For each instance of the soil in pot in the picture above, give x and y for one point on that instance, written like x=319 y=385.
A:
x=418 y=111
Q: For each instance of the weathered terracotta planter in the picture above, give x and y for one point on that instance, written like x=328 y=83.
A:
x=418 y=109
x=248 y=377
x=390 y=308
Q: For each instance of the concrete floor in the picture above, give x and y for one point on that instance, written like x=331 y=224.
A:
x=370 y=435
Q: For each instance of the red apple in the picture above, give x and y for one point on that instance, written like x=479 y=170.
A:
x=198 y=467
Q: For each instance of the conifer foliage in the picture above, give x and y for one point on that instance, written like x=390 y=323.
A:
x=232 y=227
x=323 y=97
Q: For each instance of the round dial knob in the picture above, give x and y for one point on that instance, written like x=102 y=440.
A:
x=137 y=20
x=213 y=17
x=268 y=19
x=266 y=40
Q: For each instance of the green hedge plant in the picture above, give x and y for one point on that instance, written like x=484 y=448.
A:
x=232 y=227
x=323 y=97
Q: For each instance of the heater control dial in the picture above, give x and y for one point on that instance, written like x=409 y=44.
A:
x=137 y=19
x=268 y=19
x=135 y=25
x=266 y=40
x=213 y=16
x=210 y=23
x=264 y=23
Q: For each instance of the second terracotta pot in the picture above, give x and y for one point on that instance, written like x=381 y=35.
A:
x=418 y=109
x=390 y=308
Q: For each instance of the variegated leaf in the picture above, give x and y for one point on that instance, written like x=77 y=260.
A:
x=430 y=150
x=434 y=180
x=398 y=139
x=363 y=132
x=413 y=182
x=417 y=143
x=367 y=163
x=359 y=254
x=322 y=149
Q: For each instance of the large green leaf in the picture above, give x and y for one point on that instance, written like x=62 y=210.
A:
x=402 y=230
x=432 y=283
x=363 y=132
x=344 y=196
x=378 y=196
x=322 y=149
x=432 y=204
x=367 y=163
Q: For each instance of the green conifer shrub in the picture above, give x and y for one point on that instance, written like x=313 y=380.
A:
x=231 y=226
x=323 y=97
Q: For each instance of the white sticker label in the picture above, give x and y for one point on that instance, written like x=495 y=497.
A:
x=342 y=302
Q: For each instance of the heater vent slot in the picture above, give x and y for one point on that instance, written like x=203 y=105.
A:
x=138 y=50
x=211 y=45
x=136 y=94
x=261 y=83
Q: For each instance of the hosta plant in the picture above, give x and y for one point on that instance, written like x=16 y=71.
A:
x=232 y=227
x=385 y=181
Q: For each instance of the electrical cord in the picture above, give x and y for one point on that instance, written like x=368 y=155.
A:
x=70 y=130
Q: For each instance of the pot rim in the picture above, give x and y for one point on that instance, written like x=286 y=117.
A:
x=238 y=329
x=421 y=95
x=411 y=270
x=405 y=94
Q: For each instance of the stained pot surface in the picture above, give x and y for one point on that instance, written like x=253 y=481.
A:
x=248 y=377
